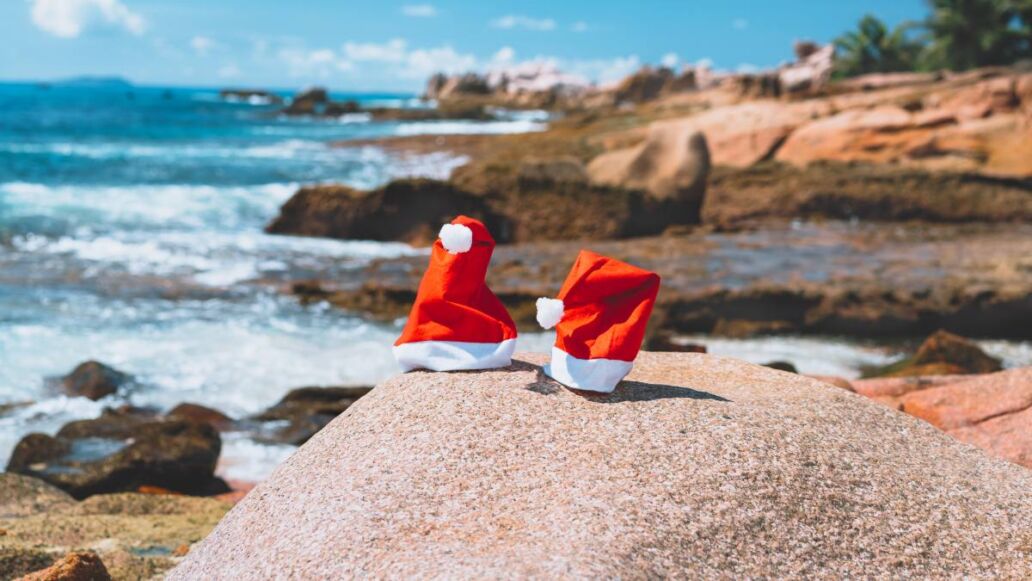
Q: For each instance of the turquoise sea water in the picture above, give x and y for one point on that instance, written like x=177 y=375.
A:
x=131 y=232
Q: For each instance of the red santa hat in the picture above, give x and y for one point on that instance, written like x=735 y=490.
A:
x=600 y=317
x=456 y=321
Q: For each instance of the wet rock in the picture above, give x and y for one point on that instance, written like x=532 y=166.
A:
x=119 y=452
x=782 y=366
x=94 y=380
x=528 y=479
x=671 y=165
x=338 y=108
x=942 y=353
x=667 y=342
x=77 y=566
x=306 y=410
x=403 y=210
x=307 y=102
x=193 y=412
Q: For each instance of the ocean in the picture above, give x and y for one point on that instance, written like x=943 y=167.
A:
x=131 y=232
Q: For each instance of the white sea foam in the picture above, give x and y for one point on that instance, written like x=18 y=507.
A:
x=245 y=460
x=816 y=356
x=159 y=205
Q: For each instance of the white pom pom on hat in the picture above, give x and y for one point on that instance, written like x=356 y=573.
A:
x=549 y=312
x=456 y=238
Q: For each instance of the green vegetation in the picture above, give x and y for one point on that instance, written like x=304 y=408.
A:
x=871 y=48
x=956 y=35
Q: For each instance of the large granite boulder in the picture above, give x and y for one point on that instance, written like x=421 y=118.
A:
x=696 y=467
x=671 y=165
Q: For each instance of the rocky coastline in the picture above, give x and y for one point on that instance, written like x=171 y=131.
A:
x=892 y=207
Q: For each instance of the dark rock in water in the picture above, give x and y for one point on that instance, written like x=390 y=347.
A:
x=307 y=102
x=122 y=452
x=782 y=366
x=338 y=108
x=404 y=210
x=193 y=412
x=77 y=566
x=306 y=410
x=942 y=353
x=665 y=342
x=94 y=380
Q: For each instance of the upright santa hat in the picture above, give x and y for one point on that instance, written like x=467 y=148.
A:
x=600 y=317
x=456 y=321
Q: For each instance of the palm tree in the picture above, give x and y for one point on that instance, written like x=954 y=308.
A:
x=871 y=48
x=965 y=34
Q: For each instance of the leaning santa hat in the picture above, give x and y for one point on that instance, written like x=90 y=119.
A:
x=456 y=321
x=599 y=318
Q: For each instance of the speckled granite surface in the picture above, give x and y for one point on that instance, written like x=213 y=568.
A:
x=700 y=466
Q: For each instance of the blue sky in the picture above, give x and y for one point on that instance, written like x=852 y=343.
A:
x=388 y=45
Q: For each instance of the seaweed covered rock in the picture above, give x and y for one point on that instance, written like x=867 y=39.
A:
x=403 y=210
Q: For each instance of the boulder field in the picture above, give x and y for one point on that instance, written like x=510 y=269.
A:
x=697 y=466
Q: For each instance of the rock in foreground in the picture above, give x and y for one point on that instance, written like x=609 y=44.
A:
x=699 y=466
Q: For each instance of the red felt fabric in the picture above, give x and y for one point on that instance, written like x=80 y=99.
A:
x=607 y=305
x=453 y=302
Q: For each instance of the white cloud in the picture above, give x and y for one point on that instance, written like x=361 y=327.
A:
x=505 y=55
x=69 y=18
x=422 y=63
x=579 y=26
x=312 y=63
x=704 y=63
x=669 y=60
x=229 y=71
x=515 y=21
x=747 y=68
x=739 y=24
x=419 y=10
x=604 y=71
x=393 y=58
x=201 y=44
x=392 y=51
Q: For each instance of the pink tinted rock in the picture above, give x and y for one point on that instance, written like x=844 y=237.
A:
x=973 y=401
x=696 y=467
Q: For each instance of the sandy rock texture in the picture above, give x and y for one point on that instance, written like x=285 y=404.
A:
x=697 y=466
x=135 y=536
